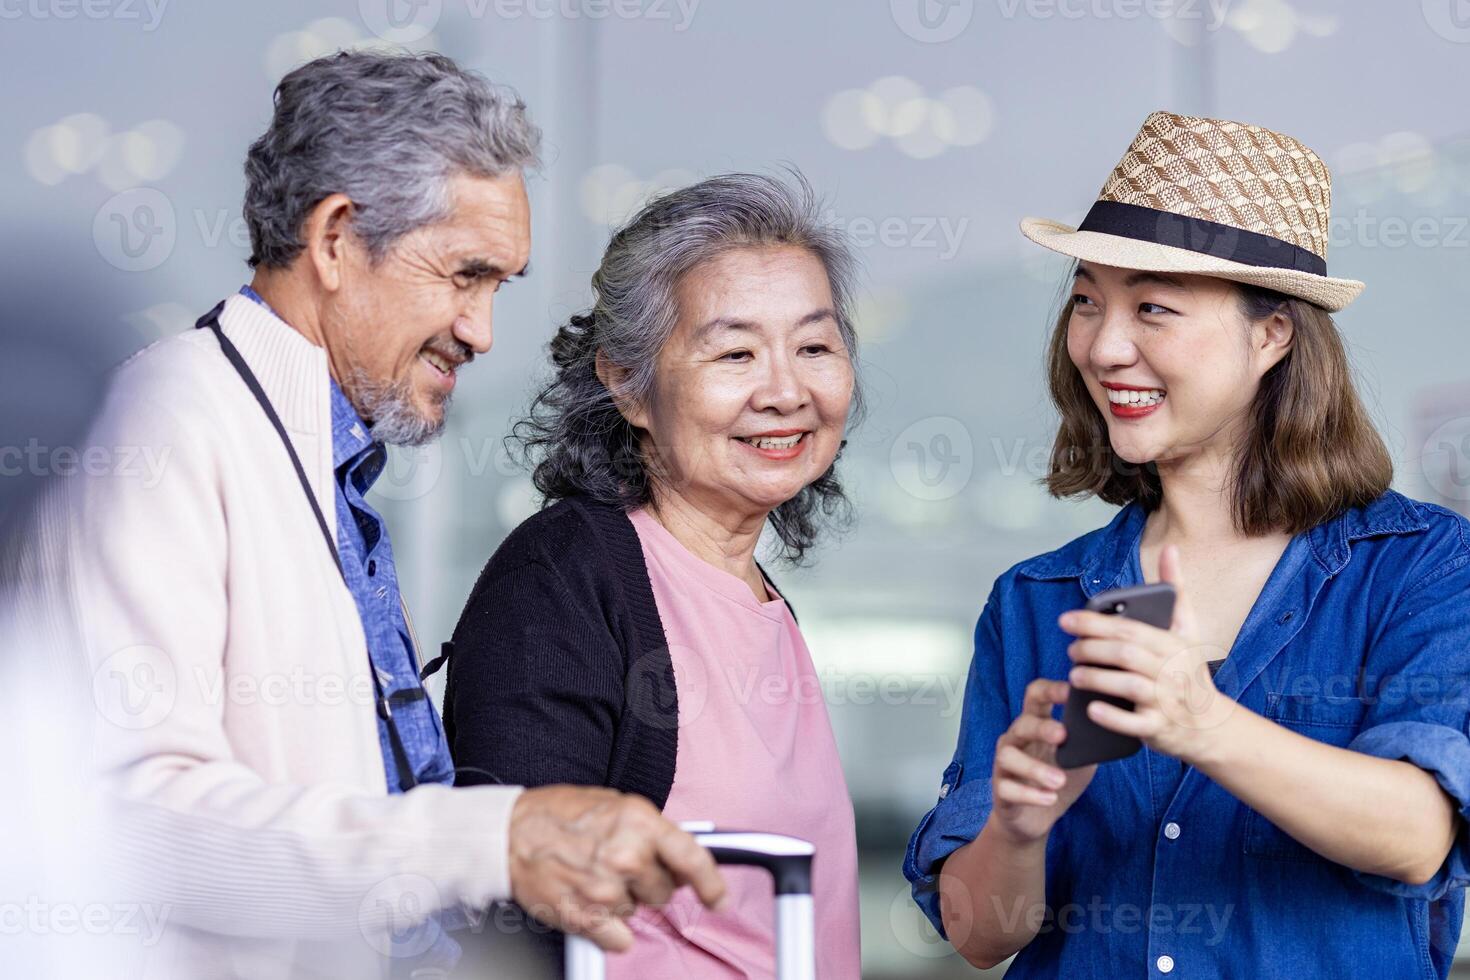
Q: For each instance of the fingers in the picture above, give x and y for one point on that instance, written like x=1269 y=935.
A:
x=1029 y=728
x=1119 y=683
x=606 y=930
x=692 y=865
x=1026 y=768
x=1171 y=570
x=1041 y=695
x=1140 y=725
x=1115 y=653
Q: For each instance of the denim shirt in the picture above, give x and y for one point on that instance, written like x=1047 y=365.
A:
x=1360 y=638
x=372 y=578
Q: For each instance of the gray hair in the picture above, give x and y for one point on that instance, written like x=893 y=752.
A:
x=387 y=130
x=583 y=444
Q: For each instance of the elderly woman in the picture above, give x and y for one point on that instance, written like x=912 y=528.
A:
x=1298 y=809
x=625 y=636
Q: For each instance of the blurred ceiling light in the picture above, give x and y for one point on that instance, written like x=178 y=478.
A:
x=82 y=143
x=895 y=107
x=611 y=193
x=325 y=35
x=1271 y=25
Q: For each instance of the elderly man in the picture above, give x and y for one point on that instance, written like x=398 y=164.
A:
x=281 y=781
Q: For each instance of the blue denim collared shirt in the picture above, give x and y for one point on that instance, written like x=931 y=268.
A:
x=1359 y=639
x=372 y=578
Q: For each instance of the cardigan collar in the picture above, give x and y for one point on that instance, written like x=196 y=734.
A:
x=292 y=370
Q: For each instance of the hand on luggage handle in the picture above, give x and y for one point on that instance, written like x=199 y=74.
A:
x=788 y=859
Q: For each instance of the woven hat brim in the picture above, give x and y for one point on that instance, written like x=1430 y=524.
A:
x=1129 y=253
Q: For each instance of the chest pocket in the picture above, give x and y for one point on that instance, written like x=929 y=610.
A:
x=1333 y=721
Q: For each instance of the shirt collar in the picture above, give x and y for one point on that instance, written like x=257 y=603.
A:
x=350 y=439
x=1100 y=558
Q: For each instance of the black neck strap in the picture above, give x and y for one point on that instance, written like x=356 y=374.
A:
x=406 y=780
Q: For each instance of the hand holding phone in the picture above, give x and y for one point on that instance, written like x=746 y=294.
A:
x=1087 y=742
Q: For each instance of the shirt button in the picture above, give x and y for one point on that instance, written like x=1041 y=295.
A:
x=372 y=567
x=382 y=591
x=1166 y=964
x=944 y=791
x=1171 y=831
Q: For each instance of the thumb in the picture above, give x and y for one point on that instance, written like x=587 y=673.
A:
x=1171 y=570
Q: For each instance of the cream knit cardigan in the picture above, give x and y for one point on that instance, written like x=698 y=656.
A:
x=235 y=732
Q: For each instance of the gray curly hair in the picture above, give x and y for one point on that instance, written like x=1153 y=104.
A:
x=580 y=441
x=387 y=130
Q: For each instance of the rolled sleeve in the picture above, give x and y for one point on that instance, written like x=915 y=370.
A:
x=1444 y=753
x=955 y=821
x=1418 y=711
x=964 y=803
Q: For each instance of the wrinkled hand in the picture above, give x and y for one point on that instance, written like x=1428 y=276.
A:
x=1165 y=673
x=583 y=858
x=1030 y=791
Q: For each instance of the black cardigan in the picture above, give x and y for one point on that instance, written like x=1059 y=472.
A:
x=559 y=671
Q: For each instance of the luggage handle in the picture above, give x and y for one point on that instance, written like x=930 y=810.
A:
x=789 y=861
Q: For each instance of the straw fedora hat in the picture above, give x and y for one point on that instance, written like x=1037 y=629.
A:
x=1212 y=198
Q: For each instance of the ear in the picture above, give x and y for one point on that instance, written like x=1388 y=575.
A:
x=1272 y=339
x=612 y=376
x=327 y=235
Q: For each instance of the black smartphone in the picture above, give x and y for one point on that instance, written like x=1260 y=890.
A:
x=1087 y=741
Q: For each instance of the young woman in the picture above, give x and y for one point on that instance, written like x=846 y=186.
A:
x=625 y=635
x=1298 y=809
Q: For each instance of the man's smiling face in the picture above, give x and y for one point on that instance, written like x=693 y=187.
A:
x=400 y=328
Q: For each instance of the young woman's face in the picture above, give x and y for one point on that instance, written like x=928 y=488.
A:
x=1170 y=360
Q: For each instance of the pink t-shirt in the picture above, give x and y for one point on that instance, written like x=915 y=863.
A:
x=756 y=752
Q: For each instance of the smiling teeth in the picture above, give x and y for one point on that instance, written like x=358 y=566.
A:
x=771 y=442
x=1134 y=397
x=438 y=362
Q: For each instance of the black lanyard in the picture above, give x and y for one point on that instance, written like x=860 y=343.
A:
x=406 y=780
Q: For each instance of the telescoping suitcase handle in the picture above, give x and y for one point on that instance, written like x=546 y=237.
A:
x=788 y=859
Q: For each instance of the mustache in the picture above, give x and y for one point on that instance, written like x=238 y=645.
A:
x=454 y=351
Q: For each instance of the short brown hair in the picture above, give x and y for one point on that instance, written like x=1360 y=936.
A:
x=1311 y=451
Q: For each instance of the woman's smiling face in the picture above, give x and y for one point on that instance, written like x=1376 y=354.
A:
x=1171 y=360
x=751 y=391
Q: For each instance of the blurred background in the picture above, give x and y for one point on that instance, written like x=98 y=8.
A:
x=931 y=126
